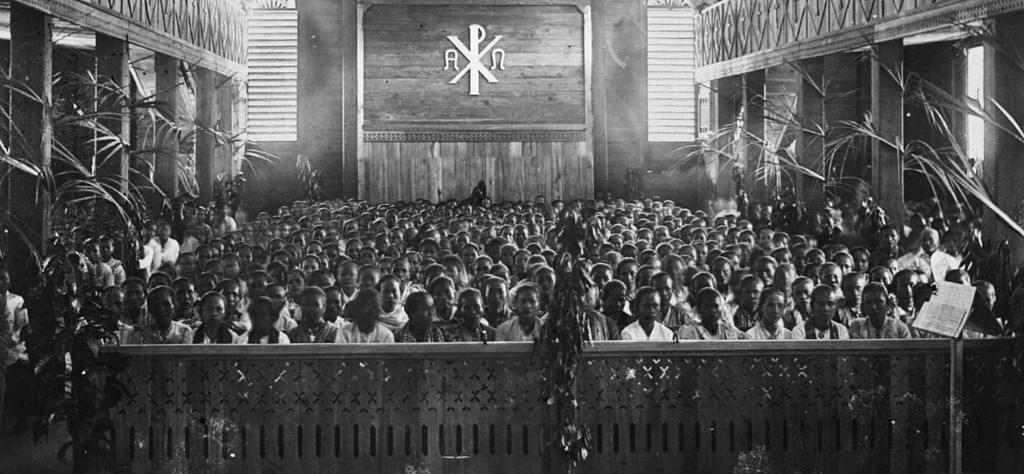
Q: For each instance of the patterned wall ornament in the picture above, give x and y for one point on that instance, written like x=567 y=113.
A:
x=732 y=29
x=177 y=26
x=476 y=136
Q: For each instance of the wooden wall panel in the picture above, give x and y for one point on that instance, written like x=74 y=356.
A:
x=449 y=170
x=530 y=134
x=406 y=84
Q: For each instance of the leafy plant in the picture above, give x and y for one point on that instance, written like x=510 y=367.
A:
x=567 y=331
x=79 y=385
x=227 y=191
x=311 y=179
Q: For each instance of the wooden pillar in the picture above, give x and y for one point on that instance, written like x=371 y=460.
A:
x=842 y=103
x=753 y=137
x=113 y=68
x=27 y=201
x=207 y=105
x=726 y=96
x=165 y=168
x=599 y=82
x=1003 y=172
x=327 y=93
x=887 y=113
x=233 y=118
x=230 y=121
x=619 y=99
x=810 y=144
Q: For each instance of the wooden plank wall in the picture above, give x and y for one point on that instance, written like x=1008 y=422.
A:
x=328 y=128
x=527 y=135
x=440 y=171
x=405 y=83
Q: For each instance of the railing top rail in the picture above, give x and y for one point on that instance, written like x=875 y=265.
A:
x=599 y=349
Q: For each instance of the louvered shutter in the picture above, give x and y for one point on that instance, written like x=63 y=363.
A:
x=671 y=59
x=273 y=60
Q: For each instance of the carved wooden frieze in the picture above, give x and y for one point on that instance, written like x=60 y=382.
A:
x=735 y=36
x=476 y=136
x=189 y=29
x=217 y=26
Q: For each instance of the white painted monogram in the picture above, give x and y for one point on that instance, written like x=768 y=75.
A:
x=474 y=55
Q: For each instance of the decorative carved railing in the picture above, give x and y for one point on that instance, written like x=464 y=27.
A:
x=785 y=406
x=210 y=33
x=735 y=36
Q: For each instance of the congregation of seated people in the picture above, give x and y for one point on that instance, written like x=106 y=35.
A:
x=348 y=272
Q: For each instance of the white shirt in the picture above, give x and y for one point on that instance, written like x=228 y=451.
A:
x=350 y=333
x=760 y=333
x=934 y=267
x=634 y=332
x=511 y=330
x=235 y=338
x=16 y=318
x=394 y=320
x=168 y=251
x=16 y=314
x=284 y=322
x=799 y=332
x=190 y=244
x=281 y=339
x=150 y=257
x=117 y=268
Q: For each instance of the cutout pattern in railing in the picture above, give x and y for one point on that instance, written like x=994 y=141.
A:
x=473 y=409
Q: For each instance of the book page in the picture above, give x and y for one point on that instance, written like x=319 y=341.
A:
x=946 y=313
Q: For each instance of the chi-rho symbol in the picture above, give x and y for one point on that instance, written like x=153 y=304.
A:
x=474 y=55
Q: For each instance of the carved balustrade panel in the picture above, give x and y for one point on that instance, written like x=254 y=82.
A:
x=776 y=407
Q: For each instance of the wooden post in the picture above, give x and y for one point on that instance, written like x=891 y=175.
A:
x=810 y=144
x=843 y=103
x=1003 y=85
x=232 y=120
x=31 y=130
x=165 y=168
x=113 y=68
x=328 y=78
x=600 y=63
x=726 y=96
x=956 y=408
x=887 y=113
x=753 y=138
x=207 y=105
